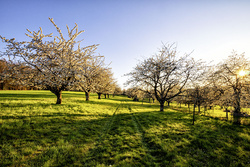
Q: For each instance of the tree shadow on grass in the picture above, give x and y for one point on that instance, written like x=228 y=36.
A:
x=112 y=103
x=59 y=138
x=217 y=143
x=27 y=96
x=177 y=142
x=202 y=143
x=43 y=104
x=134 y=138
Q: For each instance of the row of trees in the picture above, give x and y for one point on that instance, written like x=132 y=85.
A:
x=56 y=63
x=166 y=77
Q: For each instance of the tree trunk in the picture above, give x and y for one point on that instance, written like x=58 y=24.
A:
x=194 y=114
x=108 y=96
x=87 y=95
x=237 y=114
x=227 y=113
x=59 y=97
x=168 y=103
x=99 y=95
x=105 y=95
x=162 y=105
x=199 y=109
x=1 y=86
x=205 y=109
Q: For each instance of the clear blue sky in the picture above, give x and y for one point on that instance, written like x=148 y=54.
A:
x=129 y=30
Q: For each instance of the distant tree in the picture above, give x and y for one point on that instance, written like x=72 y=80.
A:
x=225 y=99
x=164 y=72
x=200 y=91
x=200 y=95
x=187 y=98
x=196 y=96
x=149 y=94
x=135 y=93
x=10 y=74
x=179 y=99
x=55 y=62
x=233 y=75
x=118 y=90
x=92 y=71
x=110 y=89
x=217 y=95
x=105 y=83
x=3 y=72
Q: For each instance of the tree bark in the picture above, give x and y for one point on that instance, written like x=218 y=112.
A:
x=105 y=96
x=194 y=114
x=237 y=114
x=59 y=97
x=99 y=95
x=168 y=103
x=162 y=105
x=205 y=109
x=1 y=86
x=87 y=95
x=227 y=113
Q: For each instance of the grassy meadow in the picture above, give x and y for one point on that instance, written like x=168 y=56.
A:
x=214 y=112
x=112 y=132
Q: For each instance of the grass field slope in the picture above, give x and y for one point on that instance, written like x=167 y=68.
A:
x=112 y=132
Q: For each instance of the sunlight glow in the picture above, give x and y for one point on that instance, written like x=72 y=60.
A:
x=242 y=73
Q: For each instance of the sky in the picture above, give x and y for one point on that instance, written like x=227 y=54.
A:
x=132 y=30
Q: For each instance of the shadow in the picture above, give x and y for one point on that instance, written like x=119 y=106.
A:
x=134 y=138
x=27 y=96
x=45 y=132
x=52 y=115
x=34 y=95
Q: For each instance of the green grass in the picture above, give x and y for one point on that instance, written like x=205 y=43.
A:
x=215 y=112
x=115 y=131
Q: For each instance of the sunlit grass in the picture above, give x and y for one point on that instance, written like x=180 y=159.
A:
x=114 y=131
x=215 y=112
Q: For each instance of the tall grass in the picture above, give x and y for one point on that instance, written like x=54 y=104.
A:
x=115 y=131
